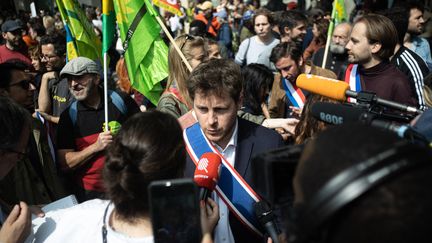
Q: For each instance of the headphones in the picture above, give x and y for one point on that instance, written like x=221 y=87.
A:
x=350 y=184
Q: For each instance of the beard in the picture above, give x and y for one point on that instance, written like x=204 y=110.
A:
x=337 y=49
x=84 y=93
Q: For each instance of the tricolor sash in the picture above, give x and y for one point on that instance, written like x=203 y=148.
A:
x=352 y=77
x=294 y=93
x=231 y=188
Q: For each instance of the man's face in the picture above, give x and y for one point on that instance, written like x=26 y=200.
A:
x=50 y=59
x=288 y=68
x=83 y=86
x=8 y=159
x=13 y=38
x=416 y=22
x=295 y=34
x=340 y=38
x=358 y=47
x=216 y=115
x=262 y=26
x=21 y=89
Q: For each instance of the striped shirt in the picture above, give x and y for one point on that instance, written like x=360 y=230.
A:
x=413 y=66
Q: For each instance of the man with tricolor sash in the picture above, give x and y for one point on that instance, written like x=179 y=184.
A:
x=215 y=89
x=372 y=42
x=286 y=98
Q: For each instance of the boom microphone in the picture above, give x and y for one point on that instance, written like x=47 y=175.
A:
x=339 y=90
x=207 y=172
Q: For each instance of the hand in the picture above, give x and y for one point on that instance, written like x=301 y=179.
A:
x=209 y=215
x=17 y=226
x=43 y=114
x=49 y=75
x=104 y=139
x=296 y=112
x=287 y=124
x=37 y=210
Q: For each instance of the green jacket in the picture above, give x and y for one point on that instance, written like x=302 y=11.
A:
x=24 y=184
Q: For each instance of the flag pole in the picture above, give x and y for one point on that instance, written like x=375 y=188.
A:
x=105 y=67
x=329 y=34
x=164 y=28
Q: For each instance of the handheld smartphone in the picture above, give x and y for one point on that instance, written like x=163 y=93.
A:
x=174 y=209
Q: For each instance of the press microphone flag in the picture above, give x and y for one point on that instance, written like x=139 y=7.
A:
x=339 y=90
x=207 y=173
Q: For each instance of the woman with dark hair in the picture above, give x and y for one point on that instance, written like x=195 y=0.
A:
x=257 y=48
x=257 y=81
x=319 y=31
x=308 y=127
x=148 y=147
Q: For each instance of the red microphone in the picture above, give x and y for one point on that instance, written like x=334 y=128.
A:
x=207 y=173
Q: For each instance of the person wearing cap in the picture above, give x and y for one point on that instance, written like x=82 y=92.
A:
x=13 y=49
x=34 y=179
x=81 y=134
x=206 y=16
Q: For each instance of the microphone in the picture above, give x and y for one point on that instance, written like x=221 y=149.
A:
x=339 y=90
x=338 y=114
x=402 y=131
x=207 y=173
x=266 y=218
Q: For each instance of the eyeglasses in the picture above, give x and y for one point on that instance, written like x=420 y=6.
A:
x=188 y=37
x=25 y=84
x=47 y=57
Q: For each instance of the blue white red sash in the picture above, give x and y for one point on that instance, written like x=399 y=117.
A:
x=294 y=94
x=231 y=188
x=352 y=77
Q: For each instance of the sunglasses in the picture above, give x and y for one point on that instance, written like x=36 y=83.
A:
x=188 y=37
x=24 y=84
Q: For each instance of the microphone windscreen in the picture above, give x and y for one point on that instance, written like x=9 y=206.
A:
x=331 y=88
x=336 y=113
x=207 y=171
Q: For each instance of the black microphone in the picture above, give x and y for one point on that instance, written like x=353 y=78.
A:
x=266 y=218
x=402 y=131
x=336 y=113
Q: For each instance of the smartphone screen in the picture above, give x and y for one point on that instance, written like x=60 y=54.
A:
x=174 y=208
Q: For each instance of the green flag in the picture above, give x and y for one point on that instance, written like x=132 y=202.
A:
x=108 y=26
x=146 y=54
x=340 y=15
x=86 y=43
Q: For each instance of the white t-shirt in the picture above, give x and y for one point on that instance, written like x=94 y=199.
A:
x=83 y=223
x=257 y=52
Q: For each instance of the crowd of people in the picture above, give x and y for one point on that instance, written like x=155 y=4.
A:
x=235 y=94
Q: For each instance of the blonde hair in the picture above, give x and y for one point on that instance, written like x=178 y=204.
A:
x=178 y=72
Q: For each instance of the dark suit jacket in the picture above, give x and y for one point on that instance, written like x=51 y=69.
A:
x=252 y=139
